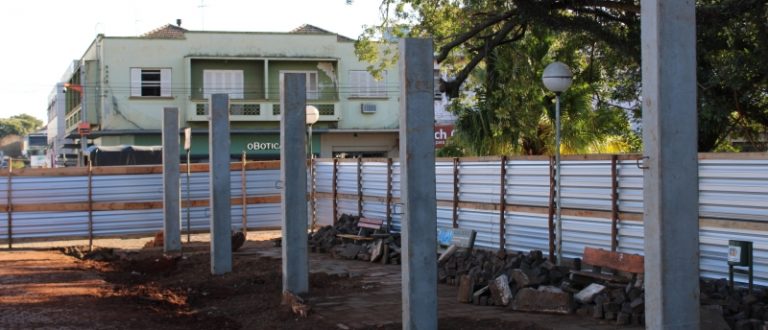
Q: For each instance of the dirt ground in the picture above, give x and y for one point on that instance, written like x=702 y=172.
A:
x=132 y=288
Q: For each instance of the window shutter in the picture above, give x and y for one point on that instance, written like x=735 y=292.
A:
x=135 y=82
x=312 y=92
x=236 y=88
x=165 y=82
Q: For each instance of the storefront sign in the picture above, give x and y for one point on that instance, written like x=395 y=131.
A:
x=256 y=145
x=442 y=133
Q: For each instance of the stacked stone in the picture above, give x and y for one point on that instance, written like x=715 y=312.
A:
x=740 y=308
x=623 y=303
x=324 y=239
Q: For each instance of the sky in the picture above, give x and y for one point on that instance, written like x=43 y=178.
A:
x=42 y=38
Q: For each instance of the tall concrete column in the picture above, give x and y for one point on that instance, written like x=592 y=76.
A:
x=171 y=186
x=671 y=177
x=293 y=173
x=221 y=212
x=417 y=187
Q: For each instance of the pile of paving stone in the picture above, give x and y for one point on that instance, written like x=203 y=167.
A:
x=530 y=282
x=741 y=309
x=384 y=248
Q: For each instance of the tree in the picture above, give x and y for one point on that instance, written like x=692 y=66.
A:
x=22 y=124
x=732 y=49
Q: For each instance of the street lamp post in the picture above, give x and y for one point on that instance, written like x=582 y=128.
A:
x=312 y=116
x=557 y=78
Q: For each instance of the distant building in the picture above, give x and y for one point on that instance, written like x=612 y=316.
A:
x=118 y=89
x=35 y=146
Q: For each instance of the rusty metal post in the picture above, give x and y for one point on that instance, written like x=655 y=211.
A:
x=313 y=190
x=614 y=204
x=503 y=204
x=389 y=194
x=456 y=192
x=551 y=219
x=244 y=178
x=10 y=204
x=335 y=189
x=90 y=204
x=360 y=186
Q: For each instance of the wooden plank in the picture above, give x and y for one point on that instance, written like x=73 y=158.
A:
x=631 y=263
x=355 y=237
x=734 y=155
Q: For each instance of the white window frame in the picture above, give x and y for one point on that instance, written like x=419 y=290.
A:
x=137 y=83
x=230 y=82
x=313 y=89
x=364 y=85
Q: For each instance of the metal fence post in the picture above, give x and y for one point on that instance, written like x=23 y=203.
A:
x=503 y=204
x=456 y=163
x=614 y=203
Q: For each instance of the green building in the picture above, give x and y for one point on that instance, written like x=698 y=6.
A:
x=118 y=89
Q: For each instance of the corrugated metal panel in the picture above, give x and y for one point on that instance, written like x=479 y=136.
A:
x=444 y=181
x=527 y=183
x=579 y=232
x=324 y=211
x=134 y=188
x=34 y=190
x=48 y=225
x=445 y=217
x=113 y=223
x=479 y=181
x=733 y=189
x=347 y=206
x=396 y=180
x=631 y=237
x=526 y=232
x=630 y=187
x=347 y=178
x=375 y=210
x=374 y=179
x=324 y=175
x=259 y=183
x=586 y=185
x=485 y=223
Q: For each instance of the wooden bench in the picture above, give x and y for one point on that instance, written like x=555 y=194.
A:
x=449 y=240
x=621 y=267
x=367 y=227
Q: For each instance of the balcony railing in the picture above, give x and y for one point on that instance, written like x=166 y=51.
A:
x=245 y=110
x=72 y=119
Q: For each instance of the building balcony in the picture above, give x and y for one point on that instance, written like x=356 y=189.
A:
x=259 y=110
x=72 y=119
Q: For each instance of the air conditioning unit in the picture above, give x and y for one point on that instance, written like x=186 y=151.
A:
x=368 y=108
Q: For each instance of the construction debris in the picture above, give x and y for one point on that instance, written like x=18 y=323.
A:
x=380 y=248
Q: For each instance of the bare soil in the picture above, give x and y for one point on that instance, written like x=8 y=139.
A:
x=143 y=289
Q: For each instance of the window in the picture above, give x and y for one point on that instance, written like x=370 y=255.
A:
x=150 y=82
x=363 y=84
x=223 y=82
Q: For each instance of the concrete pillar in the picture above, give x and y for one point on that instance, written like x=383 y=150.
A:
x=171 y=186
x=671 y=177
x=417 y=187
x=221 y=212
x=293 y=173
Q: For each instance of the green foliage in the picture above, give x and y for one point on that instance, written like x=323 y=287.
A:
x=515 y=114
x=22 y=124
x=497 y=48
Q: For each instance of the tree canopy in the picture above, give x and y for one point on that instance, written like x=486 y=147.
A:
x=22 y=124
x=494 y=48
